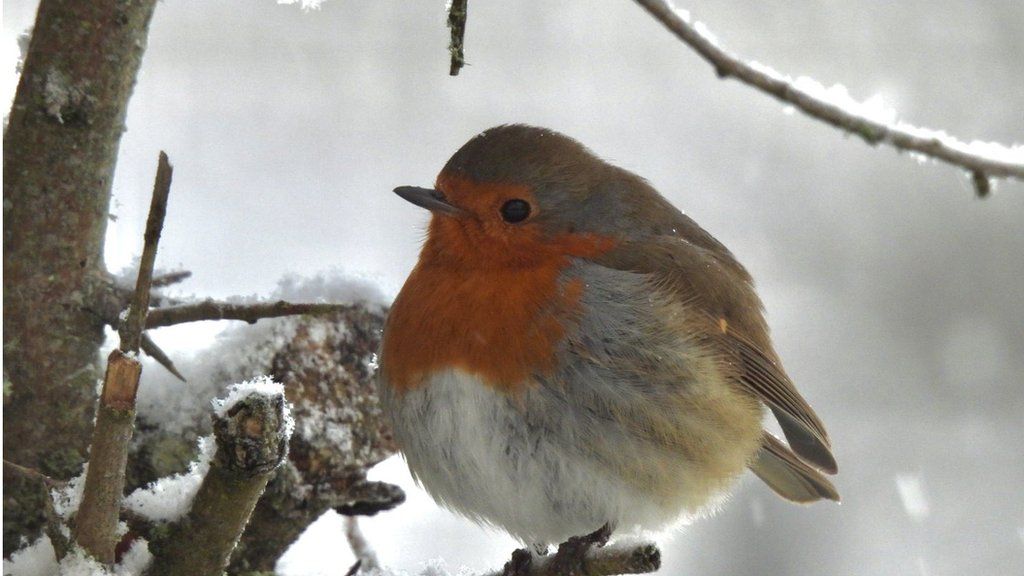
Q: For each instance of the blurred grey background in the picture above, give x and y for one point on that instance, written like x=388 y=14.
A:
x=896 y=297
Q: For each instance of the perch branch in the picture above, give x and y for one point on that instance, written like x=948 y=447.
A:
x=457 y=25
x=252 y=441
x=95 y=527
x=938 y=146
x=213 y=310
x=615 y=558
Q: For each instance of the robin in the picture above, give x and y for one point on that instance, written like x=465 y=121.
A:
x=572 y=352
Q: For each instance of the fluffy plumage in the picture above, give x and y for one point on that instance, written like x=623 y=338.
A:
x=605 y=360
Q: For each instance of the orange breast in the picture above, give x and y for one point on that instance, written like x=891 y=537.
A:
x=502 y=323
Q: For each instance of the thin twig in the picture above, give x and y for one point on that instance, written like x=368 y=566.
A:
x=95 y=527
x=33 y=475
x=54 y=526
x=365 y=555
x=131 y=329
x=213 y=310
x=457 y=25
x=171 y=278
x=156 y=353
x=903 y=137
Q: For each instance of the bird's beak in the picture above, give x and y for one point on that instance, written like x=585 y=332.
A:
x=430 y=199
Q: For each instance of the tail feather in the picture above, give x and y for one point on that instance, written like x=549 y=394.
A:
x=789 y=476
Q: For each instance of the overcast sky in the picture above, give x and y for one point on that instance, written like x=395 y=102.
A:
x=895 y=296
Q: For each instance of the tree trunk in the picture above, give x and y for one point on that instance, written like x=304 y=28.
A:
x=60 y=149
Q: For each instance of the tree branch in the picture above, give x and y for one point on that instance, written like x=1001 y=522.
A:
x=213 y=310
x=131 y=329
x=1001 y=162
x=615 y=558
x=44 y=484
x=171 y=278
x=457 y=25
x=252 y=441
x=96 y=522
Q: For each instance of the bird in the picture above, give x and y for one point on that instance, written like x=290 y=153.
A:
x=572 y=353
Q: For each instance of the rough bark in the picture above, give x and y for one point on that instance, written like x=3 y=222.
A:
x=60 y=149
x=339 y=431
x=252 y=441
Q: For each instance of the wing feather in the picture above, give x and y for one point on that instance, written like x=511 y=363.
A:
x=696 y=268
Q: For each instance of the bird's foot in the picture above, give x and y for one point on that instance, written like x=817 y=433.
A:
x=569 y=560
x=520 y=563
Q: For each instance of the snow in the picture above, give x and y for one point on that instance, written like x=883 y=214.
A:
x=135 y=560
x=306 y=4
x=263 y=385
x=170 y=498
x=335 y=285
x=67 y=499
x=911 y=491
x=179 y=407
x=38 y=559
x=79 y=563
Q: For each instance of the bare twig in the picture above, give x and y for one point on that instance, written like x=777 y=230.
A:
x=45 y=485
x=156 y=353
x=364 y=554
x=615 y=558
x=171 y=278
x=213 y=310
x=32 y=474
x=252 y=441
x=901 y=136
x=457 y=25
x=131 y=329
x=96 y=522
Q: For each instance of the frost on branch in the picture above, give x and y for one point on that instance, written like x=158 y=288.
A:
x=251 y=429
x=326 y=366
x=984 y=161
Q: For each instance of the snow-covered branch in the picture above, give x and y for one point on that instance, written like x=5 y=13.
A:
x=616 y=558
x=252 y=427
x=983 y=160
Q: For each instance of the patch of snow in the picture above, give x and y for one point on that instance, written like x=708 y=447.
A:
x=306 y=4
x=170 y=498
x=38 y=559
x=705 y=32
x=334 y=286
x=873 y=109
x=78 y=563
x=67 y=499
x=262 y=385
x=135 y=560
x=911 y=491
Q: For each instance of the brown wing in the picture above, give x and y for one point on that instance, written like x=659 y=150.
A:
x=695 y=266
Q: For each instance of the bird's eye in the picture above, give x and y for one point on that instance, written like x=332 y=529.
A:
x=515 y=210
